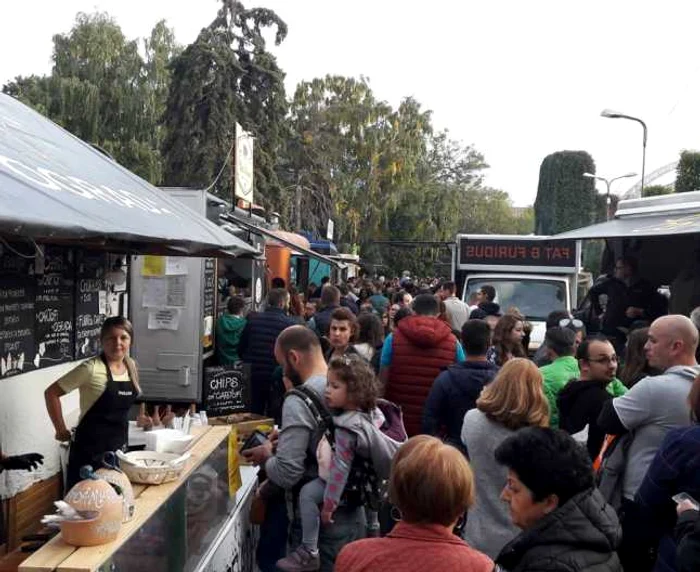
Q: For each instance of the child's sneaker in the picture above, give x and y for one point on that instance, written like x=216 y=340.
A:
x=301 y=560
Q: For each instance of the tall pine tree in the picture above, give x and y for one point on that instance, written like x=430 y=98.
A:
x=227 y=76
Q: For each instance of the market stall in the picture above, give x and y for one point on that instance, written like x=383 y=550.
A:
x=71 y=219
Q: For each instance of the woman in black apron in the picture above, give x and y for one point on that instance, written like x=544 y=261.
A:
x=104 y=426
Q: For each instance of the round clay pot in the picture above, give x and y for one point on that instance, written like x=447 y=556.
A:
x=93 y=495
x=122 y=481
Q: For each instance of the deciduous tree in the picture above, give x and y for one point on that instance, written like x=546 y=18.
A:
x=688 y=172
x=103 y=90
x=352 y=157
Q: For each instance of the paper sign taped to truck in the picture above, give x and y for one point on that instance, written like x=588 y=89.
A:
x=481 y=253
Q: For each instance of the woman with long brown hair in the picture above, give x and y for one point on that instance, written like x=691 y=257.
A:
x=514 y=399
x=636 y=366
x=507 y=340
x=296 y=306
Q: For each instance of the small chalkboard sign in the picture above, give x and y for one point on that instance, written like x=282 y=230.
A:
x=17 y=298
x=54 y=334
x=90 y=309
x=226 y=389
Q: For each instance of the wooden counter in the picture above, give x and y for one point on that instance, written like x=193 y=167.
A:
x=58 y=556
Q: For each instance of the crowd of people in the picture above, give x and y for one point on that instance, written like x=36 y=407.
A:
x=567 y=459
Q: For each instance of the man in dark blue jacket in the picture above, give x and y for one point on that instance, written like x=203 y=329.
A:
x=346 y=301
x=330 y=302
x=258 y=348
x=456 y=389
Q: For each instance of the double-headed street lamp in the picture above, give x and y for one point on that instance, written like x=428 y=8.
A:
x=608 y=182
x=617 y=115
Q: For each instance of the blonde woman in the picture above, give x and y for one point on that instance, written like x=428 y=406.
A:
x=514 y=399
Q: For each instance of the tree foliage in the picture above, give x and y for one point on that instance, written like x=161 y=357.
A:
x=565 y=198
x=334 y=150
x=352 y=158
x=227 y=76
x=656 y=190
x=383 y=173
x=688 y=172
x=103 y=90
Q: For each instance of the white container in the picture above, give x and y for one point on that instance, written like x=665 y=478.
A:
x=149 y=468
x=168 y=441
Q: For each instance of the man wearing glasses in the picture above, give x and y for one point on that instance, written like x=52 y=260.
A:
x=582 y=400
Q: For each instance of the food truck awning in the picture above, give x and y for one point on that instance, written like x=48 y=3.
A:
x=289 y=237
x=630 y=227
x=281 y=237
x=56 y=188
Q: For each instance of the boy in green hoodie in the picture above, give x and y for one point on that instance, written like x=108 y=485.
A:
x=228 y=331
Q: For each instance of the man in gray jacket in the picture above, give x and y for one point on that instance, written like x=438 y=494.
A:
x=293 y=462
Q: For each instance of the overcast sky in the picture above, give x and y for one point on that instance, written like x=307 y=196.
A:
x=518 y=80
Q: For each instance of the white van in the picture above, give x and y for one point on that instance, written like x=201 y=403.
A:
x=535 y=274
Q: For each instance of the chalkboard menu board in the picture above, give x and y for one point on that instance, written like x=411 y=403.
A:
x=226 y=389
x=54 y=307
x=17 y=298
x=209 y=302
x=91 y=301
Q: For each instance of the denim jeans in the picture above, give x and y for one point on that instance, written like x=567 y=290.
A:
x=310 y=497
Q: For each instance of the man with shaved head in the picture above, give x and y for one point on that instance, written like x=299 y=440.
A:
x=653 y=407
x=294 y=463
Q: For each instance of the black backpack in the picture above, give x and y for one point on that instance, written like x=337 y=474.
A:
x=363 y=486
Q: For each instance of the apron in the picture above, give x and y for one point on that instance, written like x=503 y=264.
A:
x=103 y=428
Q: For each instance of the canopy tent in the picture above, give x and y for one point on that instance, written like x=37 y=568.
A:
x=320 y=245
x=661 y=233
x=295 y=242
x=56 y=188
x=638 y=226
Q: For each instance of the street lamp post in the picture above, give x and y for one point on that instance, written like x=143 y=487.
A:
x=617 y=115
x=608 y=182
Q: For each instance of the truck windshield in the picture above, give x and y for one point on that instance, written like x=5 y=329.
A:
x=535 y=299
